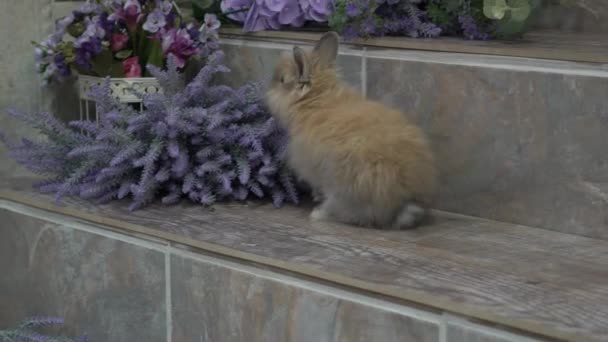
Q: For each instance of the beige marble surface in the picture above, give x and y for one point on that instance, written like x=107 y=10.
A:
x=492 y=271
x=109 y=289
x=215 y=303
x=520 y=145
x=21 y=22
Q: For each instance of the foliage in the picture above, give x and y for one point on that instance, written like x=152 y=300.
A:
x=472 y=19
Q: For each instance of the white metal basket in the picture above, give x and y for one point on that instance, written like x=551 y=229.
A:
x=121 y=89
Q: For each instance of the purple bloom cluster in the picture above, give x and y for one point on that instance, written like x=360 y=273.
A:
x=470 y=29
x=129 y=30
x=198 y=141
x=367 y=18
x=25 y=331
x=258 y=15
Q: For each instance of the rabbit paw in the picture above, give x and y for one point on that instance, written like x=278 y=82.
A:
x=318 y=214
x=317 y=196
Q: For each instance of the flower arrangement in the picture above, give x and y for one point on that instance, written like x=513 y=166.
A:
x=472 y=19
x=118 y=38
x=257 y=15
x=26 y=331
x=196 y=140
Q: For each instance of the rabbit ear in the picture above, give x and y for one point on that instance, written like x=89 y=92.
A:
x=327 y=48
x=302 y=65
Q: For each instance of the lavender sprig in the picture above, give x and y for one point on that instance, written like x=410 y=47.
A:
x=200 y=141
x=25 y=331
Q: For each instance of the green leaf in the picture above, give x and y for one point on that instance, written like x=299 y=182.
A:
x=438 y=15
x=102 y=63
x=156 y=56
x=124 y=54
x=202 y=4
x=495 y=9
x=519 y=10
x=200 y=7
x=451 y=6
x=116 y=70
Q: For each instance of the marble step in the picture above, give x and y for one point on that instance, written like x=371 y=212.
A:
x=254 y=273
x=518 y=140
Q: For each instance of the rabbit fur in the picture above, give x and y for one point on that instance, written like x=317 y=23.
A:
x=366 y=163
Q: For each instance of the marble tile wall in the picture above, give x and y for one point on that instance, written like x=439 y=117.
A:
x=109 y=289
x=520 y=143
x=273 y=310
x=588 y=16
x=255 y=61
x=21 y=22
x=123 y=288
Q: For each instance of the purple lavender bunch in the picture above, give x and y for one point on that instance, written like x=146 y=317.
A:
x=369 y=18
x=200 y=141
x=470 y=29
x=26 y=332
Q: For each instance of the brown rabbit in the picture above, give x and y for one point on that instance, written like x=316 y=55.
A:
x=370 y=166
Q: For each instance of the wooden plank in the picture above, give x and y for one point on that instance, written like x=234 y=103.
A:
x=553 y=45
x=542 y=282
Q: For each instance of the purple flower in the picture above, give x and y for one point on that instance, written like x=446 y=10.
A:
x=165 y=6
x=178 y=43
x=313 y=14
x=323 y=7
x=155 y=21
x=470 y=30
x=290 y=14
x=90 y=7
x=369 y=26
x=62 y=67
x=317 y=10
x=236 y=5
x=353 y=9
x=254 y=22
x=350 y=32
x=208 y=34
x=430 y=30
x=275 y=5
x=210 y=23
x=93 y=30
x=86 y=51
x=130 y=13
x=63 y=24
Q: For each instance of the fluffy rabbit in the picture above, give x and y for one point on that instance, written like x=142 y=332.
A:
x=369 y=165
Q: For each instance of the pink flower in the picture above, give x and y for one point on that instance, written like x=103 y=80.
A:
x=131 y=67
x=177 y=42
x=130 y=13
x=118 y=42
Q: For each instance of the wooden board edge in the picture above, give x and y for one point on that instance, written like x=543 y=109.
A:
x=447 y=44
x=414 y=297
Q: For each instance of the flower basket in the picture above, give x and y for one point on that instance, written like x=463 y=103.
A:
x=124 y=90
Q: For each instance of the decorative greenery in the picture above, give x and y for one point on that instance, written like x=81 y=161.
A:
x=512 y=16
x=200 y=141
x=472 y=19
x=26 y=331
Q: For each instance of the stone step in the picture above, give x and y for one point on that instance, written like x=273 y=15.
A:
x=254 y=273
x=518 y=140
